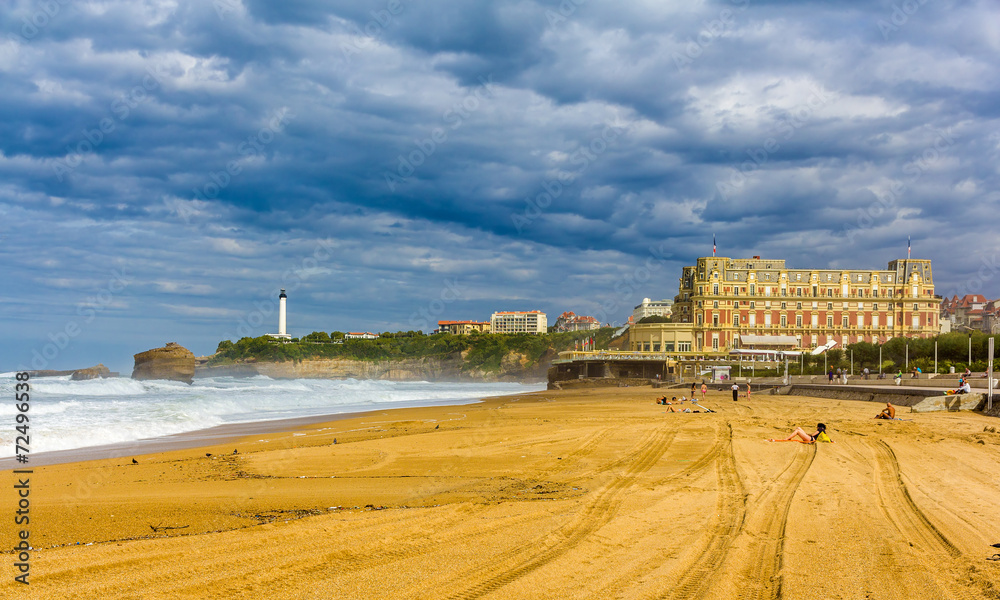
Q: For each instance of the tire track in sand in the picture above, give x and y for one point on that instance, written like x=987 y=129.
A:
x=696 y=576
x=629 y=575
x=912 y=523
x=443 y=531
x=766 y=551
x=756 y=567
x=594 y=515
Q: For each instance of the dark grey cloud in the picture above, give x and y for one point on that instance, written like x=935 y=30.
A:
x=539 y=153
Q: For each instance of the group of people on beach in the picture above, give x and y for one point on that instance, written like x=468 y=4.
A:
x=799 y=434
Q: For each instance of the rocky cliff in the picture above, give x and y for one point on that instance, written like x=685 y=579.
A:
x=173 y=362
x=96 y=372
x=513 y=367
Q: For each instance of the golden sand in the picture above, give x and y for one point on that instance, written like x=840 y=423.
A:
x=576 y=494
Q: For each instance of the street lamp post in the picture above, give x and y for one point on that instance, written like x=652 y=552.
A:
x=970 y=350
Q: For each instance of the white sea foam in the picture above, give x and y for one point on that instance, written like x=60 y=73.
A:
x=67 y=414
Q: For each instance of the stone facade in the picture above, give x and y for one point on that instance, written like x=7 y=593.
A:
x=723 y=298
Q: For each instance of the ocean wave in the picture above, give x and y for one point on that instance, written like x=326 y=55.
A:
x=103 y=411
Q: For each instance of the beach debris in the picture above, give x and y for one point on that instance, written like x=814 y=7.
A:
x=158 y=528
x=135 y=462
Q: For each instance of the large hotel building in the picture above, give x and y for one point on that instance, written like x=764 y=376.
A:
x=726 y=299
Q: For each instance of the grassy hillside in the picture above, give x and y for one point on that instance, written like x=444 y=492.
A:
x=485 y=351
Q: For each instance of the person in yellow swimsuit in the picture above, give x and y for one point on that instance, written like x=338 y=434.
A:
x=800 y=435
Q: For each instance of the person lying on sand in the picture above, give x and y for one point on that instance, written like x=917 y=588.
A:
x=674 y=409
x=800 y=435
x=889 y=412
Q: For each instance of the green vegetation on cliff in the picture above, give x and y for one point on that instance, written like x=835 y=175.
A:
x=485 y=351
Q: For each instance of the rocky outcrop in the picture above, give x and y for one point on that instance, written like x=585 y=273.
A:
x=172 y=362
x=514 y=367
x=96 y=372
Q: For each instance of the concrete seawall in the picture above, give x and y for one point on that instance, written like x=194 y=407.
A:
x=898 y=396
x=918 y=399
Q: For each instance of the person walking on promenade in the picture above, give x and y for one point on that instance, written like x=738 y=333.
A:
x=866 y=373
x=829 y=374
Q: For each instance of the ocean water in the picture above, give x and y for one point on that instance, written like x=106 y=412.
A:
x=68 y=414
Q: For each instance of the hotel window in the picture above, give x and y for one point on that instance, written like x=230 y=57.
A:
x=753 y=304
x=784 y=321
x=829 y=321
x=798 y=320
x=875 y=306
x=874 y=320
x=715 y=289
x=915 y=307
x=916 y=321
x=736 y=320
x=699 y=319
x=753 y=318
x=715 y=304
x=829 y=306
x=798 y=305
x=815 y=320
x=715 y=319
x=798 y=277
x=843 y=321
x=715 y=342
x=888 y=320
x=861 y=320
x=683 y=346
x=753 y=290
x=829 y=292
x=783 y=306
x=656 y=346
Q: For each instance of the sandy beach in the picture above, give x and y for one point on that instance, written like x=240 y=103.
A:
x=571 y=494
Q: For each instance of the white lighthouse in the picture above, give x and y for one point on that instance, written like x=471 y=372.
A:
x=281 y=313
x=282 y=330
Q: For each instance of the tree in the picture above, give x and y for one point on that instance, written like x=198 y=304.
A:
x=224 y=346
x=317 y=336
x=655 y=319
